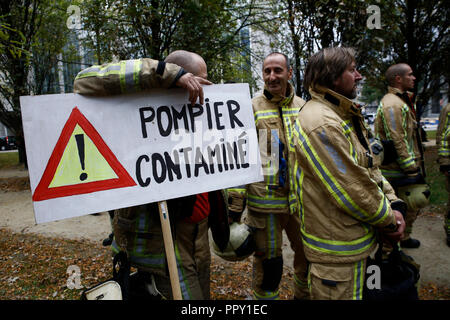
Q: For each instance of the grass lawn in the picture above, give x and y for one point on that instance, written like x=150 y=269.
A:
x=9 y=159
x=431 y=134
x=435 y=178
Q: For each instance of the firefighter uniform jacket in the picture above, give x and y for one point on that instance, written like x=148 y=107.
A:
x=396 y=124
x=274 y=119
x=127 y=76
x=342 y=196
x=138 y=229
x=443 y=137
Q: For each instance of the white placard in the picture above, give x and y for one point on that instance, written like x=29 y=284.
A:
x=92 y=154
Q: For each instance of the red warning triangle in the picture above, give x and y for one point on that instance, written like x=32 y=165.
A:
x=44 y=191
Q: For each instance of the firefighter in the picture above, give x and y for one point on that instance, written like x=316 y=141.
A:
x=137 y=230
x=396 y=126
x=342 y=196
x=271 y=204
x=443 y=144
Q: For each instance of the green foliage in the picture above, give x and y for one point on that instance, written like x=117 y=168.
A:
x=32 y=34
x=213 y=29
x=371 y=94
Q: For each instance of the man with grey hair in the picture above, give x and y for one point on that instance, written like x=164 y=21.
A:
x=396 y=125
x=341 y=193
x=137 y=230
x=271 y=204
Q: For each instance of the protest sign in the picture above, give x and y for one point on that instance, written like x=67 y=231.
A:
x=92 y=154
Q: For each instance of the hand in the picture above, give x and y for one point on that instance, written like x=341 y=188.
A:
x=397 y=235
x=194 y=85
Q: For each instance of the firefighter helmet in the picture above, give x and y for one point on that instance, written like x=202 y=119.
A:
x=241 y=244
x=416 y=196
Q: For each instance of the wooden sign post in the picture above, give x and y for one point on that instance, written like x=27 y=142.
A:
x=170 y=250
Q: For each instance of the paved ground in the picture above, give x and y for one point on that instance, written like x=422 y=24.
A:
x=16 y=213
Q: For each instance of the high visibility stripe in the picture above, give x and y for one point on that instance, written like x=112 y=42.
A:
x=340 y=248
x=327 y=179
x=290 y=111
x=271 y=235
x=268 y=295
x=382 y=211
x=358 y=284
x=292 y=202
x=300 y=283
x=148 y=260
x=299 y=180
x=348 y=128
x=405 y=163
x=393 y=123
x=184 y=285
x=409 y=144
x=273 y=169
x=444 y=150
x=392 y=173
x=99 y=71
x=262 y=202
x=266 y=114
x=239 y=189
x=271 y=177
x=380 y=112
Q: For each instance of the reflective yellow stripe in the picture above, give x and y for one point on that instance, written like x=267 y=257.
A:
x=348 y=128
x=271 y=227
x=240 y=190
x=327 y=179
x=444 y=150
x=358 y=280
x=265 y=114
x=340 y=248
x=300 y=283
x=184 y=285
x=269 y=295
x=261 y=202
x=392 y=173
x=99 y=71
x=405 y=163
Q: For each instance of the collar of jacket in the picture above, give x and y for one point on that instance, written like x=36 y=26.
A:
x=401 y=93
x=406 y=96
x=279 y=99
x=344 y=105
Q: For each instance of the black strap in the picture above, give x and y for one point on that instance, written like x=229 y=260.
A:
x=122 y=274
x=161 y=67
x=359 y=133
x=180 y=73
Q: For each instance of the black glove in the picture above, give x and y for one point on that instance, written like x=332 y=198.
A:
x=401 y=206
x=234 y=216
x=444 y=168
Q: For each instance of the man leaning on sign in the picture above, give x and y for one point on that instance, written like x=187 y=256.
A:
x=137 y=230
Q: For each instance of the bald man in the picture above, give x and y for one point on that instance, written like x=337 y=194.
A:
x=137 y=230
x=396 y=125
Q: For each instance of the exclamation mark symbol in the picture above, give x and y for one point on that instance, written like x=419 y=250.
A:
x=80 y=144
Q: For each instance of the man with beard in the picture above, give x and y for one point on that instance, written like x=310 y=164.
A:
x=342 y=196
